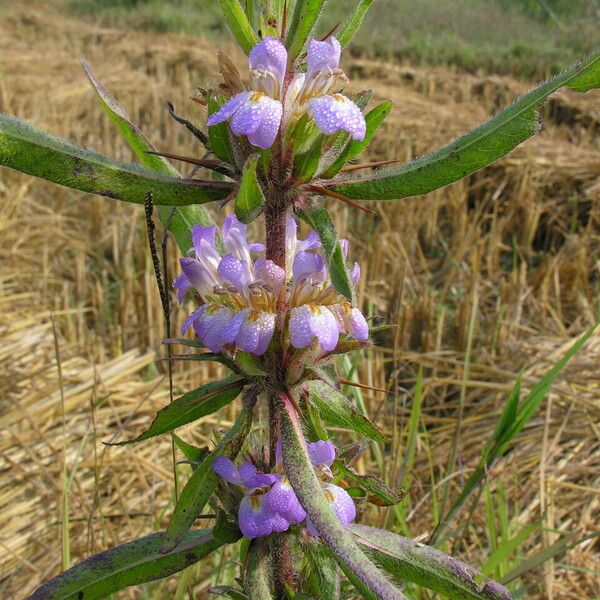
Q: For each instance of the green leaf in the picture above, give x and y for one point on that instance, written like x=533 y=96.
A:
x=319 y=219
x=381 y=494
x=425 y=566
x=30 y=150
x=191 y=452
x=227 y=591
x=478 y=148
x=325 y=569
x=192 y=406
x=303 y=21
x=337 y=410
x=257 y=578
x=366 y=577
x=353 y=23
x=250 y=197
x=250 y=363
x=218 y=135
x=239 y=25
x=353 y=148
x=133 y=563
x=201 y=485
x=306 y=164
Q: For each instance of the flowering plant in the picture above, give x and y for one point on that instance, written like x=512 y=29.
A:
x=277 y=314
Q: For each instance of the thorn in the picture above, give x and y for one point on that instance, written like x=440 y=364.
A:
x=332 y=31
x=214 y=165
x=200 y=135
x=371 y=165
x=332 y=194
x=362 y=386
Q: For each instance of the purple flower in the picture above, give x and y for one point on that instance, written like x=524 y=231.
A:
x=253 y=114
x=255 y=517
x=257 y=113
x=335 y=112
x=311 y=92
x=239 y=292
x=322 y=455
x=342 y=505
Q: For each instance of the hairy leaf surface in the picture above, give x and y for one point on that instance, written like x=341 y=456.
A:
x=130 y=564
x=183 y=217
x=31 y=150
x=192 y=406
x=339 y=411
x=478 y=148
x=425 y=566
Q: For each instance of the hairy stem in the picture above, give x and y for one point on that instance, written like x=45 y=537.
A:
x=279 y=548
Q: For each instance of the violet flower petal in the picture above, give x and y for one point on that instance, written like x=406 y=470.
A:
x=321 y=453
x=308 y=321
x=323 y=56
x=335 y=112
x=225 y=468
x=308 y=265
x=271 y=56
x=228 y=109
x=234 y=271
x=256 y=332
x=254 y=519
x=282 y=500
x=183 y=285
x=191 y=319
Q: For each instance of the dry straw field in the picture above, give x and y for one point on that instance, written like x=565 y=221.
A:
x=495 y=275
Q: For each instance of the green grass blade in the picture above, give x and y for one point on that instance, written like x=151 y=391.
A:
x=184 y=217
x=239 y=24
x=500 y=445
x=31 y=150
x=130 y=564
x=425 y=566
x=478 y=148
x=354 y=21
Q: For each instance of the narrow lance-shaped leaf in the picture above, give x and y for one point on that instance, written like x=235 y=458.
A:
x=257 y=576
x=220 y=142
x=354 y=21
x=380 y=493
x=338 y=410
x=368 y=579
x=478 y=148
x=184 y=218
x=133 y=563
x=250 y=197
x=238 y=24
x=305 y=16
x=192 y=406
x=201 y=485
x=374 y=118
x=425 y=566
x=319 y=219
x=31 y=150
x=325 y=570
x=307 y=163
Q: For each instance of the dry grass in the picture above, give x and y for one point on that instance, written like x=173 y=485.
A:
x=515 y=250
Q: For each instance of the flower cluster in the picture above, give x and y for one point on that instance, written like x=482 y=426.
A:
x=273 y=102
x=239 y=291
x=269 y=503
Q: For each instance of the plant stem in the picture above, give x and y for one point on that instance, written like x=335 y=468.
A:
x=279 y=547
